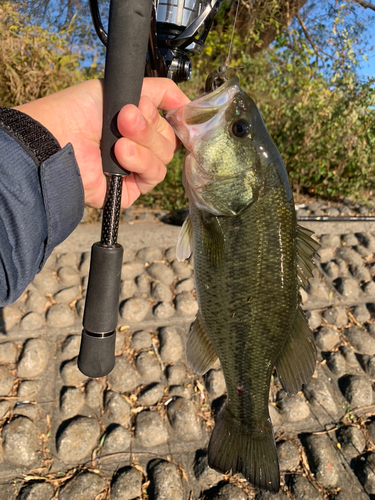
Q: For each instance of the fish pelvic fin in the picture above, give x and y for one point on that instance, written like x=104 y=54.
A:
x=233 y=446
x=185 y=240
x=306 y=248
x=200 y=353
x=296 y=363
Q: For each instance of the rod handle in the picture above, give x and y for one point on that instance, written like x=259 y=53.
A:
x=128 y=33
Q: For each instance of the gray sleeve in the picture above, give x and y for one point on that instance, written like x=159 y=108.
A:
x=41 y=202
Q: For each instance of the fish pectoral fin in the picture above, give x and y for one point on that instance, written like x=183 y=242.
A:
x=306 y=248
x=296 y=364
x=213 y=239
x=185 y=240
x=200 y=353
x=233 y=446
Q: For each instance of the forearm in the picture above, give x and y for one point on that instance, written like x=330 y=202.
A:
x=41 y=200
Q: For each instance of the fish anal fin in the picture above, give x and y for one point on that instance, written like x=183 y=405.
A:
x=233 y=446
x=296 y=363
x=306 y=248
x=200 y=353
x=185 y=240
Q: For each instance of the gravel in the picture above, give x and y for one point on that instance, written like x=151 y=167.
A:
x=184 y=420
x=215 y=383
x=148 y=367
x=32 y=321
x=71 y=401
x=100 y=437
x=357 y=390
x=117 y=440
x=34 y=358
x=127 y=484
x=6 y=381
x=327 y=338
x=141 y=340
x=117 y=409
x=161 y=272
x=84 y=486
x=60 y=316
x=151 y=395
x=288 y=456
x=150 y=429
x=166 y=482
x=230 y=492
x=171 y=347
x=302 y=489
x=123 y=377
x=77 y=438
x=149 y=254
x=20 y=442
x=135 y=309
x=176 y=374
x=37 y=491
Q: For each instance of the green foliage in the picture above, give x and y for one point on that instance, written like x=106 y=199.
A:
x=323 y=123
x=34 y=60
x=320 y=114
x=321 y=118
x=169 y=194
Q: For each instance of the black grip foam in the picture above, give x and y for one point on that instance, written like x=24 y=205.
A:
x=97 y=355
x=128 y=33
x=103 y=289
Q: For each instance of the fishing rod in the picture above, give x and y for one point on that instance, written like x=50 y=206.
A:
x=143 y=39
x=338 y=218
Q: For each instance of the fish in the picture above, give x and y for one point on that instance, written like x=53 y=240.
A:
x=250 y=260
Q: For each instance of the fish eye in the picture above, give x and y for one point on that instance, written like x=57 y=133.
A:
x=240 y=128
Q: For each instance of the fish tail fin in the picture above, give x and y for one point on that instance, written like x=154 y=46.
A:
x=252 y=452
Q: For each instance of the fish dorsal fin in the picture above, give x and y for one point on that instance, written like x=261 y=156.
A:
x=200 y=354
x=306 y=248
x=296 y=363
x=213 y=239
x=185 y=240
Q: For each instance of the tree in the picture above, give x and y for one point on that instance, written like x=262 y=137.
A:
x=34 y=60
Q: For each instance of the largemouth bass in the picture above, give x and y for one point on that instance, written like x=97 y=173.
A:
x=250 y=259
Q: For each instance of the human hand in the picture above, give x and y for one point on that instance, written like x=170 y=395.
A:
x=75 y=115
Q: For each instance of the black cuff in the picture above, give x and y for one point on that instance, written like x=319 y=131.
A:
x=35 y=139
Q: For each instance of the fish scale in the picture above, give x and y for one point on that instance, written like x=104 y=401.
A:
x=250 y=258
x=257 y=332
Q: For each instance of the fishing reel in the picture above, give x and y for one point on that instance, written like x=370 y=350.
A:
x=145 y=38
x=178 y=30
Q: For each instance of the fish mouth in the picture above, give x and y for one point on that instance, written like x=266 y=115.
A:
x=192 y=120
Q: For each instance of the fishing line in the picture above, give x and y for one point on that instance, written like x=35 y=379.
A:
x=231 y=40
x=226 y=66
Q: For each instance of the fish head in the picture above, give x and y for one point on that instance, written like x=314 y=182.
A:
x=231 y=157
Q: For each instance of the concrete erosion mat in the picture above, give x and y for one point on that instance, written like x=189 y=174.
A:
x=142 y=432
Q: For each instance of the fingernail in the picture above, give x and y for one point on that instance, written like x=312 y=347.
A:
x=139 y=122
x=153 y=113
x=130 y=149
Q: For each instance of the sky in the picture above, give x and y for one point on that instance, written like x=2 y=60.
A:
x=368 y=67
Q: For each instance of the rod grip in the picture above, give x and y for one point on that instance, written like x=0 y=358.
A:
x=103 y=289
x=97 y=352
x=128 y=33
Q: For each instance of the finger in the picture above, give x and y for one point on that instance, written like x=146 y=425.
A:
x=151 y=113
x=132 y=125
x=141 y=161
x=164 y=93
